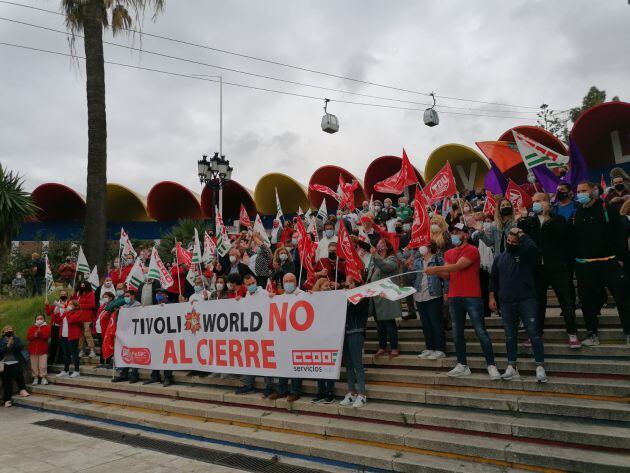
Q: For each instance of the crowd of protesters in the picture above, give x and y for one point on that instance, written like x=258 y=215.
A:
x=476 y=263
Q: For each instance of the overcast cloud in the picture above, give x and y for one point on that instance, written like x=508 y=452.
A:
x=519 y=52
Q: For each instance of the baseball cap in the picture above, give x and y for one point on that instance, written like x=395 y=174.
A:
x=461 y=227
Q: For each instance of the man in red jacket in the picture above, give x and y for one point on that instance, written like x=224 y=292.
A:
x=71 y=322
x=37 y=337
x=66 y=271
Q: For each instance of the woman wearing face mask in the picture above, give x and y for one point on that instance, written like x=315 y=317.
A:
x=440 y=234
x=221 y=288
x=392 y=220
x=431 y=293
x=282 y=264
x=71 y=322
x=102 y=322
x=384 y=264
x=235 y=286
x=37 y=336
x=496 y=234
x=87 y=304
x=11 y=349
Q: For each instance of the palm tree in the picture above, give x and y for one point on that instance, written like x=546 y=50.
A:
x=16 y=206
x=88 y=18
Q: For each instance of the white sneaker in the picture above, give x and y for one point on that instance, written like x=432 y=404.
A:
x=494 y=373
x=425 y=354
x=35 y=382
x=92 y=355
x=348 y=400
x=63 y=374
x=459 y=370
x=44 y=382
x=436 y=355
x=75 y=374
x=510 y=373
x=541 y=376
x=360 y=401
x=590 y=341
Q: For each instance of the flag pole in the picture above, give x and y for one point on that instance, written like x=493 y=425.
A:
x=300 y=275
x=179 y=279
x=336 y=268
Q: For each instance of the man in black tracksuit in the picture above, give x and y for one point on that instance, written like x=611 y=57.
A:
x=553 y=237
x=600 y=246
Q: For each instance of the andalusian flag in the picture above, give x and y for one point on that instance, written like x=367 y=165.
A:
x=50 y=285
x=196 y=253
x=125 y=246
x=209 y=248
x=260 y=229
x=158 y=271
x=279 y=213
x=534 y=154
x=93 y=279
x=82 y=264
x=136 y=275
x=223 y=241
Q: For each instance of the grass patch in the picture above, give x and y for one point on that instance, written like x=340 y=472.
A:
x=20 y=313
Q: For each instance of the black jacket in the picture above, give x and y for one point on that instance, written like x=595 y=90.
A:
x=512 y=274
x=243 y=269
x=554 y=240
x=598 y=232
x=356 y=316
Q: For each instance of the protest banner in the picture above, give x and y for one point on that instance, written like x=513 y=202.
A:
x=382 y=288
x=288 y=336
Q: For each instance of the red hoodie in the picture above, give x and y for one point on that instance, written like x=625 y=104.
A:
x=38 y=339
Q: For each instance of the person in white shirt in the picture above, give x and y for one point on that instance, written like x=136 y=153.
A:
x=201 y=294
x=327 y=237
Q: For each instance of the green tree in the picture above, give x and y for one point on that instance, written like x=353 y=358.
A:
x=88 y=18
x=553 y=122
x=16 y=205
x=184 y=233
x=593 y=97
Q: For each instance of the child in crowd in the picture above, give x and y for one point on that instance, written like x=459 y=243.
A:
x=37 y=336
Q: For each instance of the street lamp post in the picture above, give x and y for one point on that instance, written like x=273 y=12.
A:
x=214 y=173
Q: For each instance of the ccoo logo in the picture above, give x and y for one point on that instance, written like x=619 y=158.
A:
x=136 y=356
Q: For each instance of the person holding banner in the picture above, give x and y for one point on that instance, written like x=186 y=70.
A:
x=72 y=325
x=102 y=322
x=124 y=374
x=384 y=264
x=495 y=235
x=162 y=298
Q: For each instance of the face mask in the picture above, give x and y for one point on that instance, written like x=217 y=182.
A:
x=198 y=289
x=377 y=208
x=220 y=286
x=105 y=300
x=289 y=287
x=332 y=254
x=511 y=248
x=562 y=195
x=116 y=264
x=8 y=334
x=386 y=205
x=232 y=259
x=423 y=250
x=583 y=198
x=620 y=187
x=406 y=227
x=537 y=207
x=506 y=211
x=119 y=292
x=466 y=209
x=230 y=286
x=39 y=322
x=19 y=276
x=252 y=289
x=435 y=228
x=283 y=257
x=402 y=205
x=456 y=240
x=294 y=241
x=329 y=233
x=127 y=300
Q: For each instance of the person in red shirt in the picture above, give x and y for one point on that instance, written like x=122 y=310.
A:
x=464 y=296
x=37 y=336
x=66 y=271
x=331 y=267
x=177 y=291
x=102 y=322
x=71 y=322
x=87 y=305
x=235 y=286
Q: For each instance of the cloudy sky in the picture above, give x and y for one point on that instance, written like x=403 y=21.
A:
x=518 y=52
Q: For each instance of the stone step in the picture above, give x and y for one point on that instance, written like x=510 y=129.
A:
x=205 y=419
x=620 y=351
x=493 y=399
x=577 y=364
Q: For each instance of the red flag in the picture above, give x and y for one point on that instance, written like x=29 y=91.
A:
x=306 y=249
x=442 y=185
x=244 y=218
x=109 y=338
x=347 y=251
x=183 y=256
x=271 y=286
x=517 y=195
x=421 y=227
x=347 y=193
x=490 y=205
x=396 y=183
x=602 y=182
x=324 y=190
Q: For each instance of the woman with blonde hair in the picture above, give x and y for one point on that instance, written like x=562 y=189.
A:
x=282 y=264
x=495 y=234
x=440 y=235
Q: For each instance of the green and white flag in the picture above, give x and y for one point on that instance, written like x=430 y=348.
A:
x=125 y=246
x=260 y=229
x=196 y=253
x=534 y=154
x=50 y=285
x=136 y=275
x=223 y=241
x=82 y=264
x=93 y=279
x=279 y=213
x=158 y=271
x=323 y=211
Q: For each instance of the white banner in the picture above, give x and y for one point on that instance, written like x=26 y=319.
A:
x=381 y=288
x=287 y=336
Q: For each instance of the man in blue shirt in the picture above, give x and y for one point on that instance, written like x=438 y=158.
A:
x=565 y=205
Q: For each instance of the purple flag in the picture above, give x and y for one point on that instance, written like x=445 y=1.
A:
x=495 y=181
x=578 y=171
x=547 y=179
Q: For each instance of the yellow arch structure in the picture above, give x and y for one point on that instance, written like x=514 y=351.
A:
x=292 y=194
x=469 y=167
x=125 y=205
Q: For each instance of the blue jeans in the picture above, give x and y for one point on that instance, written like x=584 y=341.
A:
x=250 y=380
x=283 y=386
x=387 y=330
x=432 y=325
x=527 y=310
x=353 y=358
x=325 y=387
x=70 y=350
x=458 y=307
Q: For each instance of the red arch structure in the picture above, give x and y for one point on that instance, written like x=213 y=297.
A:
x=381 y=168
x=329 y=176
x=234 y=194
x=602 y=133
x=58 y=203
x=519 y=173
x=168 y=200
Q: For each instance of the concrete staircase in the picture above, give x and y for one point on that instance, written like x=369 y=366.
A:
x=416 y=420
